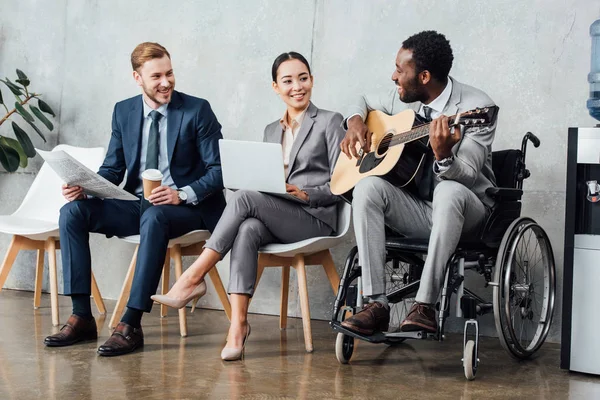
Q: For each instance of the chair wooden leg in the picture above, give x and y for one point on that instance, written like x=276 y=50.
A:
x=39 y=279
x=331 y=271
x=166 y=275
x=285 y=290
x=97 y=296
x=51 y=249
x=176 y=252
x=9 y=259
x=125 y=290
x=298 y=264
x=220 y=289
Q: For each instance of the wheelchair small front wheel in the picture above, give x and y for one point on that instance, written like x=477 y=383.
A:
x=524 y=295
x=470 y=362
x=344 y=347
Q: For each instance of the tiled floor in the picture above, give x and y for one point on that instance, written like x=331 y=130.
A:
x=276 y=365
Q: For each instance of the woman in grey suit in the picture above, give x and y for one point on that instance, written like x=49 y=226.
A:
x=310 y=139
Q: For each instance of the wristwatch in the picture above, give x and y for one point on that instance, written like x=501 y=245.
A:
x=182 y=195
x=445 y=162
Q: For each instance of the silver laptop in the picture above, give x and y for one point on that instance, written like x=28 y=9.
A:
x=254 y=166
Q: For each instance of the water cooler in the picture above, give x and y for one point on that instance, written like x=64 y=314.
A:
x=580 y=344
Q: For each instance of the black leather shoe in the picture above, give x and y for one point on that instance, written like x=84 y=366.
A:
x=124 y=339
x=74 y=331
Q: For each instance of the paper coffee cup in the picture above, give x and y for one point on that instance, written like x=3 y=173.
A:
x=151 y=178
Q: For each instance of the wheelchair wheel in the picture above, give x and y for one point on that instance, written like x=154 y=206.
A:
x=398 y=274
x=470 y=362
x=524 y=295
x=344 y=347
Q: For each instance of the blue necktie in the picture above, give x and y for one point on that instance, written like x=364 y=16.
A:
x=153 y=141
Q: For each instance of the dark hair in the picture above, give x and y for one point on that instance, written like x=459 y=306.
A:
x=431 y=52
x=291 y=55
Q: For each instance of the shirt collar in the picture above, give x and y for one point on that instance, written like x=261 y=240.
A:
x=147 y=109
x=296 y=121
x=440 y=102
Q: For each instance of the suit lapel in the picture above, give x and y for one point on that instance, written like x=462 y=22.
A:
x=134 y=127
x=454 y=100
x=307 y=124
x=174 y=118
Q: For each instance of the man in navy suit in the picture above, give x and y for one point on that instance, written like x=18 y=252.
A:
x=159 y=129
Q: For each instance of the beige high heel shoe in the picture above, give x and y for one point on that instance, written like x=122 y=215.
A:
x=198 y=292
x=235 y=353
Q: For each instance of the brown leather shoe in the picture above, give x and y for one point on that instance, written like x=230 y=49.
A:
x=124 y=339
x=75 y=330
x=420 y=317
x=374 y=317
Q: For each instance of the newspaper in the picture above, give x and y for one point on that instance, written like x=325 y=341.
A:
x=74 y=173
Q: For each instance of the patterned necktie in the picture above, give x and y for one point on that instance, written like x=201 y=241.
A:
x=426 y=184
x=427 y=112
x=153 y=141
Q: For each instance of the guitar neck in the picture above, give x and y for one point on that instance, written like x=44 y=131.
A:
x=416 y=133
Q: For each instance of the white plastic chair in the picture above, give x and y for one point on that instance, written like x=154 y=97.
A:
x=189 y=244
x=34 y=226
x=314 y=251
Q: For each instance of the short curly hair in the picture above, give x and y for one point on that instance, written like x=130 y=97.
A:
x=432 y=52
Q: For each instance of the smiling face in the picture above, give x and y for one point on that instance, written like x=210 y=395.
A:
x=294 y=84
x=157 y=81
x=410 y=83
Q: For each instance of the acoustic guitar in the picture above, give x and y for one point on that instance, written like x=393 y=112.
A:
x=397 y=148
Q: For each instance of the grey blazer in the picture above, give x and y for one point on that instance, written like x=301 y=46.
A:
x=312 y=159
x=472 y=164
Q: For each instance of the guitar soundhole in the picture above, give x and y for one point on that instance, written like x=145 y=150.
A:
x=384 y=145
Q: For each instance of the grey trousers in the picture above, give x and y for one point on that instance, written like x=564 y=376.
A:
x=455 y=211
x=251 y=220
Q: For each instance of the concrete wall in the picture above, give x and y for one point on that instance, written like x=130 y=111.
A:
x=531 y=57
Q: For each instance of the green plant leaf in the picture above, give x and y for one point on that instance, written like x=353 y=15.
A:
x=36 y=111
x=13 y=88
x=45 y=107
x=24 y=140
x=9 y=158
x=1 y=101
x=35 y=128
x=24 y=113
x=21 y=74
x=23 y=161
x=24 y=82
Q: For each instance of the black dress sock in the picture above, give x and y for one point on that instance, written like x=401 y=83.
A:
x=133 y=317
x=82 y=306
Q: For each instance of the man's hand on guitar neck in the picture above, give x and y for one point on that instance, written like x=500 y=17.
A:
x=441 y=138
x=357 y=133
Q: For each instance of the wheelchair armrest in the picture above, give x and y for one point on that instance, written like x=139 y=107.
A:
x=504 y=194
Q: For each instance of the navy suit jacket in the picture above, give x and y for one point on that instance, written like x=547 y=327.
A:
x=192 y=144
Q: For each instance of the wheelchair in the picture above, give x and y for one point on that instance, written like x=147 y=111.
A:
x=513 y=254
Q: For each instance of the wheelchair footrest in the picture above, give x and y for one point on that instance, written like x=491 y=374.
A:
x=378 y=337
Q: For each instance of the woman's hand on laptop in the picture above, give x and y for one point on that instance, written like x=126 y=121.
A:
x=294 y=191
x=72 y=193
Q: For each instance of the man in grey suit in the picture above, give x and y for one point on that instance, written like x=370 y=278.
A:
x=450 y=200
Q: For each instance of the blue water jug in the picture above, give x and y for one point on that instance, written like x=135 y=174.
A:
x=593 y=103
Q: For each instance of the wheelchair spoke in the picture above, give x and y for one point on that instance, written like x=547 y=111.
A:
x=526 y=288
